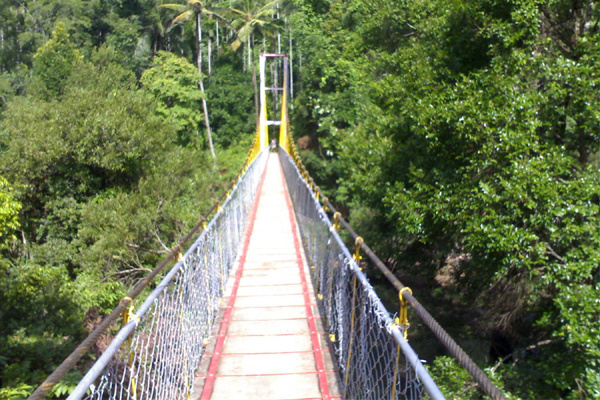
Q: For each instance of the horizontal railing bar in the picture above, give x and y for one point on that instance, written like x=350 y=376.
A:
x=273 y=54
x=428 y=383
x=455 y=350
x=59 y=373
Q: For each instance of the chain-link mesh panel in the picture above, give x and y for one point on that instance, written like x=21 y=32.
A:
x=372 y=364
x=158 y=358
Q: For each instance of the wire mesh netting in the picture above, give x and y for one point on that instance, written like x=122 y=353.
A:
x=155 y=355
x=374 y=362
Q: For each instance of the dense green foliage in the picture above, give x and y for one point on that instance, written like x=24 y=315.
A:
x=103 y=165
x=469 y=131
x=461 y=137
x=174 y=83
x=9 y=211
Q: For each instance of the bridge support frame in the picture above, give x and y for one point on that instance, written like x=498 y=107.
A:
x=264 y=122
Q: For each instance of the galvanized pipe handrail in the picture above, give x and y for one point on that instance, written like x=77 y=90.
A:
x=428 y=384
x=455 y=350
x=127 y=330
x=59 y=373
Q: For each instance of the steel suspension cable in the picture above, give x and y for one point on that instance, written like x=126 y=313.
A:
x=479 y=376
x=69 y=363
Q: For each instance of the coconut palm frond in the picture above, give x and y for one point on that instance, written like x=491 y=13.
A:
x=265 y=13
x=235 y=45
x=183 y=17
x=235 y=11
x=175 y=7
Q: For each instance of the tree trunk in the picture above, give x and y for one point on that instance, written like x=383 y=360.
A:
x=199 y=37
x=278 y=34
x=300 y=68
x=204 y=104
x=207 y=123
x=217 y=33
x=209 y=57
x=249 y=53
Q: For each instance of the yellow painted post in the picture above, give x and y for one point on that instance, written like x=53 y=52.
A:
x=401 y=321
x=353 y=316
x=396 y=367
x=128 y=315
x=332 y=338
x=284 y=138
x=403 y=317
x=318 y=287
x=336 y=220
x=357 y=257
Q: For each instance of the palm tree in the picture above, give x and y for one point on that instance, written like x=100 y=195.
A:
x=250 y=19
x=194 y=9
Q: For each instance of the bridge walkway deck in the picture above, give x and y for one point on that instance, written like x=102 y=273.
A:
x=269 y=342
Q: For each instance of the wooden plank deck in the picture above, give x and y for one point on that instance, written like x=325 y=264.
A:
x=269 y=342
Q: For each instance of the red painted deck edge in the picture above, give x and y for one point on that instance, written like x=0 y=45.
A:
x=214 y=362
x=274 y=374
x=311 y=321
x=264 y=353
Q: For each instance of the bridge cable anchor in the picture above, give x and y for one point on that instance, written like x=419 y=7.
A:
x=336 y=220
x=357 y=257
x=402 y=319
x=130 y=315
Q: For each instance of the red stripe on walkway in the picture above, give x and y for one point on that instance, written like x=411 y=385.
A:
x=311 y=322
x=278 y=374
x=264 y=353
x=280 y=334
x=214 y=362
x=301 y=305
x=274 y=284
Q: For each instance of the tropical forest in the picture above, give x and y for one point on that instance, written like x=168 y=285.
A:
x=459 y=138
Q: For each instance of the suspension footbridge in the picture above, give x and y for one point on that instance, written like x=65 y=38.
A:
x=268 y=302
x=269 y=341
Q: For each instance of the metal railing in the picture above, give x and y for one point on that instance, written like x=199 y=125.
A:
x=156 y=352
x=406 y=295
x=375 y=361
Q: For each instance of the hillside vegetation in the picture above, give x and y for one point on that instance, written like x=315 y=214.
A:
x=461 y=138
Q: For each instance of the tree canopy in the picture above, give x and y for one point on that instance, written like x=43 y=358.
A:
x=469 y=132
x=102 y=171
x=460 y=138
